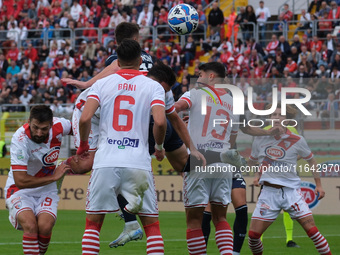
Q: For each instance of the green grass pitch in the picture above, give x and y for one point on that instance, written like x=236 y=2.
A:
x=67 y=235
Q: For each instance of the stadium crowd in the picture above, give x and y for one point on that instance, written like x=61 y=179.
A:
x=32 y=73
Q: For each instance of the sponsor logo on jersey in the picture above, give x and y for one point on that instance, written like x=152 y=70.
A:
x=51 y=156
x=125 y=142
x=308 y=193
x=20 y=155
x=36 y=150
x=275 y=153
x=210 y=145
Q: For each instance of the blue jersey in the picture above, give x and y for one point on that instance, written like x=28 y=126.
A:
x=144 y=67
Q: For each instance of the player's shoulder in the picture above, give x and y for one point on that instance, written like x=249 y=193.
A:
x=110 y=59
x=20 y=134
x=60 y=125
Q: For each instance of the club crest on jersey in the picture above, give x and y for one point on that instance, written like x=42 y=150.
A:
x=20 y=155
x=125 y=142
x=275 y=152
x=51 y=156
x=308 y=193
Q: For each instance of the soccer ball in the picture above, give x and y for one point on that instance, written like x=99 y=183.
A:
x=183 y=19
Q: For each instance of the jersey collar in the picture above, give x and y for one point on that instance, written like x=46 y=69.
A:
x=128 y=74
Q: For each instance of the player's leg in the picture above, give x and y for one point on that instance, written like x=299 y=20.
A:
x=22 y=217
x=256 y=229
x=312 y=231
x=45 y=225
x=299 y=210
x=178 y=157
x=46 y=216
x=206 y=223
x=154 y=239
x=223 y=234
x=101 y=199
x=289 y=223
x=138 y=187
x=238 y=198
x=28 y=223
x=132 y=229
x=195 y=239
x=90 y=243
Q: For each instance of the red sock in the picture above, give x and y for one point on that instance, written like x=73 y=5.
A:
x=44 y=241
x=154 y=239
x=319 y=241
x=30 y=244
x=90 y=243
x=255 y=243
x=196 y=242
x=224 y=238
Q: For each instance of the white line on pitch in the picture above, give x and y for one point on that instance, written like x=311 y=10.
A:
x=167 y=240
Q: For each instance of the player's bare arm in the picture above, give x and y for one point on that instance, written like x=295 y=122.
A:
x=181 y=105
x=24 y=180
x=313 y=166
x=90 y=108
x=111 y=69
x=257 y=175
x=159 y=129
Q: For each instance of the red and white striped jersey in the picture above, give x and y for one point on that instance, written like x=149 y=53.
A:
x=278 y=157
x=211 y=131
x=37 y=159
x=125 y=99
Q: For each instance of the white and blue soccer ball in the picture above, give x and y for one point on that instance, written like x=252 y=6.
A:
x=183 y=19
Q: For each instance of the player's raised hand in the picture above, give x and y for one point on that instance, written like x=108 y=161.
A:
x=159 y=154
x=60 y=171
x=319 y=191
x=83 y=148
x=78 y=84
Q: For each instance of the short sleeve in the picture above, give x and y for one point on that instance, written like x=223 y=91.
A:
x=67 y=126
x=158 y=95
x=94 y=92
x=186 y=98
x=303 y=149
x=169 y=102
x=19 y=153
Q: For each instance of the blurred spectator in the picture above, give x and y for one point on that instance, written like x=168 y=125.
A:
x=13 y=33
x=104 y=21
x=189 y=51
x=13 y=68
x=304 y=22
x=16 y=106
x=202 y=21
x=291 y=65
x=272 y=46
x=284 y=46
x=75 y=10
x=316 y=3
x=262 y=15
x=232 y=25
x=324 y=9
x=316 y=44
x=285 y=16
x=146 y=15
x=96 y=9
x=214 y=40
x=175 y=61
x=328 y=108
x=32 y=12
x=36 y=97
x=249 y=18
x=296 y=43
x=25 y=98
x=134 y=14
x=116 y=18
x=325 y=25
x=3 y=65
x=216 y=17
x=334 y=13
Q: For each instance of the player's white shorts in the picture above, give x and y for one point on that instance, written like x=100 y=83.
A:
x=19 y=202
x=135 y=185
x=200 y=189
x=272 y=201
x=94 y=132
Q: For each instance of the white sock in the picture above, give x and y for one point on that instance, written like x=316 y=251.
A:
x=132 y=225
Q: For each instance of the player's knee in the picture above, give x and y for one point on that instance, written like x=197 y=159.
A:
x=254 y=235
x=30 y=227
x=45 y=227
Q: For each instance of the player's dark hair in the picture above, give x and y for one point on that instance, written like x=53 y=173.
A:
x=128 y=52
x=290 y=110
x=162 y=73
x=126 y=30
x=41 y=113
x=215 y=67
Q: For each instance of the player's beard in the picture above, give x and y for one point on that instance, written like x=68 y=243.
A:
x=38 y=139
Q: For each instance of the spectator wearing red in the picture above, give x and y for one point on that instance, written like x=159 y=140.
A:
x=316 y=44
x=60 y=57
x=267 y=70
x=105 y=20
x=56 y=9
x=225 y=55
x=325 y=26
x=163 y=14
x=31 y=53
x=334 y=13
x=43 y=10
x=96 y=9
x=43 y=78
x=291 y=65
x=16 y=11
x=89 y=33
x=272 y=45
x=13 y=53
x=82 y=19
